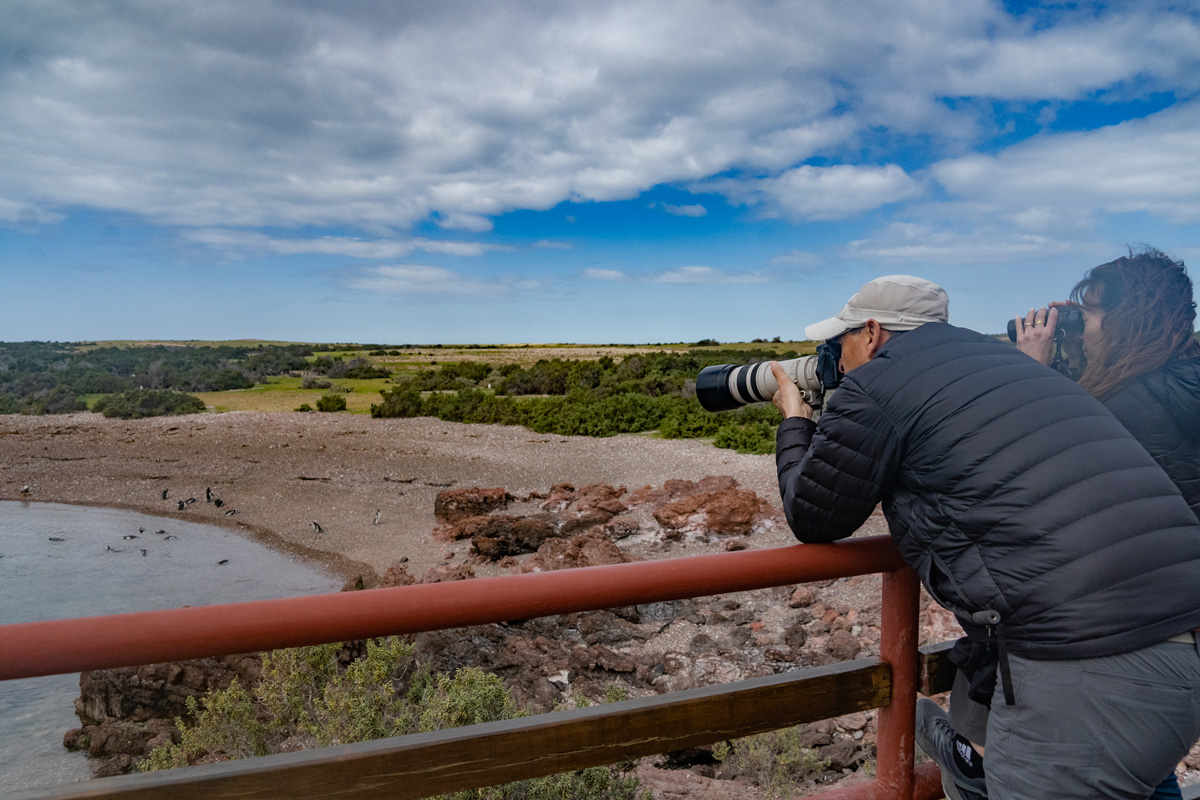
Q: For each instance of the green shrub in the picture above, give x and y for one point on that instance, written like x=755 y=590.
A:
x=59 y=400
x=776 y=760
x=331 y=402
x=304 y=407
x=306 y=696
x=140 y=403
x=757 y=437
x=403 y=401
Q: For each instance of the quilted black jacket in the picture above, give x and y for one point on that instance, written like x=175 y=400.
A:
x=1162 y=410
x=1007 y=487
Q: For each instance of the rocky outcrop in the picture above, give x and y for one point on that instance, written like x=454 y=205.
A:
x=709 y=509
x=127 y=712
x=455 y=505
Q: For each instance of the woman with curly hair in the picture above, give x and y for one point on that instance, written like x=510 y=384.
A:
x=1138 y=354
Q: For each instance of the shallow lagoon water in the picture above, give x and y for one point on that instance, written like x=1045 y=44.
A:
x=59 y=561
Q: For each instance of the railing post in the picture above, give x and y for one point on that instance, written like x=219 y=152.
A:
x=898 y=647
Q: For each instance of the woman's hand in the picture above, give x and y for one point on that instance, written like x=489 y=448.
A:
x=787 y=398
x=1035 y=333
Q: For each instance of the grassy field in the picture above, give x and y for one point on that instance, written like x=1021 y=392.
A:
x=285 y=393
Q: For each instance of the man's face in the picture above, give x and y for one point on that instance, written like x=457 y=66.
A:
x=854 y=349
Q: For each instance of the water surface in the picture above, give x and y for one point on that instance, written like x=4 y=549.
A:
x=59 y=561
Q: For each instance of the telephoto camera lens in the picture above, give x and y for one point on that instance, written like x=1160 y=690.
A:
x=728 y=386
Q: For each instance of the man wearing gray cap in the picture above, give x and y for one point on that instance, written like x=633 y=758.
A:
x=1067 y=554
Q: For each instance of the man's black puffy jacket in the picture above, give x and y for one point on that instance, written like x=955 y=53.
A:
x=1162 y=410
x=1007 y=487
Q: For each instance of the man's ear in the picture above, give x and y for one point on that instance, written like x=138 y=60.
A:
x=876 y=337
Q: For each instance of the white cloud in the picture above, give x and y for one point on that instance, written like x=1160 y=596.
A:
x=1150 y=165
x=706 y=275
x=824 y=193
x=594 y=274
x=796 y=258
x=685 y=211
x=910 y=243
x=466 y=222
x=349 y=246
x=378 y=117
x=418 y=279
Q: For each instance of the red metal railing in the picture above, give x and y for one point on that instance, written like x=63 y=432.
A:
x=73 y=645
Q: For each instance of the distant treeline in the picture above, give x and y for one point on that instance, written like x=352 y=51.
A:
x=49 y=377
x=599 y=397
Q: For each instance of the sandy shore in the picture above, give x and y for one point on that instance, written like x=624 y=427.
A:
x=282 y=471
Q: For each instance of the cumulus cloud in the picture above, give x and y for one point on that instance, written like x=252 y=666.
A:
x=824 y=193
x=376 y=116
x=1149 y=165
x=706 y=275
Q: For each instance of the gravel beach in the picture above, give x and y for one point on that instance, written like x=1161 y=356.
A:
x=282 y=472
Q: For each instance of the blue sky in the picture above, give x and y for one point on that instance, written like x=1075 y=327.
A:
x=576 y=171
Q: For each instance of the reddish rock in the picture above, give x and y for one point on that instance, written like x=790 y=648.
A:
x=561 y=495
x=447 y=573
x=725 y=512
x=588 y=549
x=457 y=504
x=621 y=528
x=675 y=489
x=397 y=575
x=504 y=535
x=601 y=497
x=802 y=597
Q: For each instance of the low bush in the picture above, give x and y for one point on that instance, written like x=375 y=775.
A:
x=331 y=402
x=775 y=760
x=306 y=697
x=313 y=382
x=140 y=403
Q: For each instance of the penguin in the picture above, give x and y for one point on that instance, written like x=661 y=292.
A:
x=316 y=526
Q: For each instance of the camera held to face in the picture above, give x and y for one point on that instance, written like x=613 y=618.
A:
x=727 y=386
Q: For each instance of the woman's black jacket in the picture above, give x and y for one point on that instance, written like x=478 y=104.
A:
x=1162 y=411
x=1007 y=487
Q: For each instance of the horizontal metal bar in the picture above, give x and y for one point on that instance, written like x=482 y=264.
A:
x=73 y=645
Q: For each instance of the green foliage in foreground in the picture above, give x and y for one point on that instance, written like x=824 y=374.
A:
x=140 y=403
x=307 y=698
x=776 y=760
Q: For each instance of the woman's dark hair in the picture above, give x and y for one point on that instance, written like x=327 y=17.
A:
x=1149 y=317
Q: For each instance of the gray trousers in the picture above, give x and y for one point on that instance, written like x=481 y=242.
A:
x=1110 y=727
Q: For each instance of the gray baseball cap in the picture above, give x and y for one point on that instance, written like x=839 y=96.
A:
x=896 y=302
